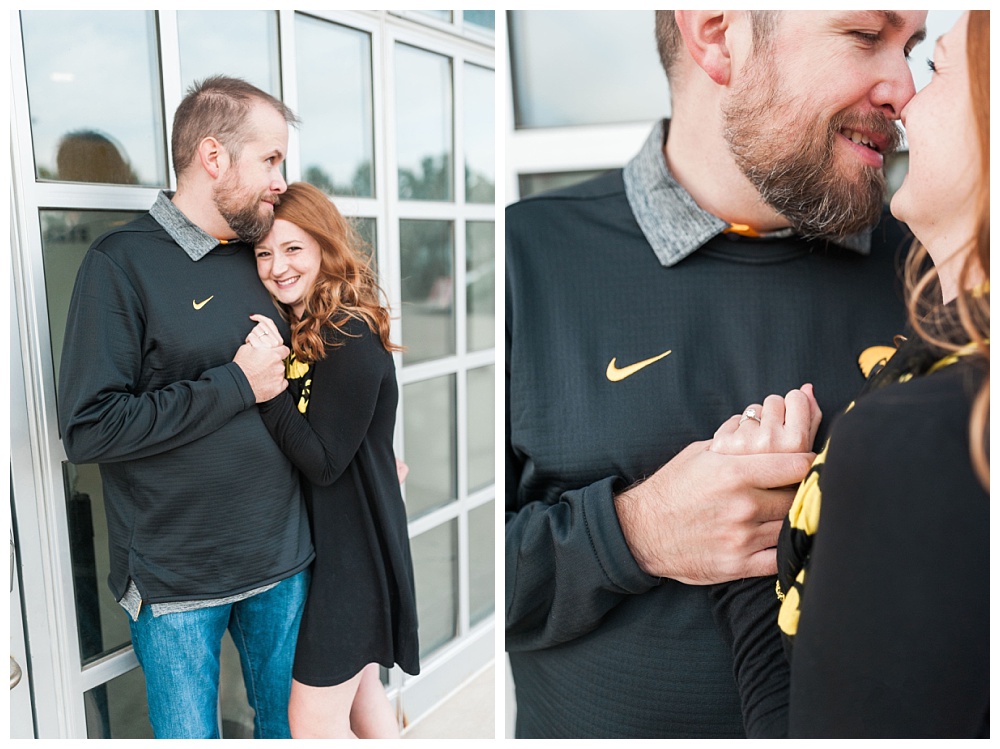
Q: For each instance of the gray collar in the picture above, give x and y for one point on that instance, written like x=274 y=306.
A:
x=674 y=225
x=194 y=240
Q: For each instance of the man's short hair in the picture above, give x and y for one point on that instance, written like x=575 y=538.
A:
x=669 y=42
x=218 y=107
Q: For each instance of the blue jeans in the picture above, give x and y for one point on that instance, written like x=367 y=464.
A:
x=179 y=655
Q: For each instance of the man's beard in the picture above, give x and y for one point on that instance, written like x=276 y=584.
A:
x=241 y=211
x=795 y=168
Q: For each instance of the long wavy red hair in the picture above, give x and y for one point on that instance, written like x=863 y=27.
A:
x=346 y=288
x=971 y=321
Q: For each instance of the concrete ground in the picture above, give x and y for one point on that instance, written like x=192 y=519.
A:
x=470 y=713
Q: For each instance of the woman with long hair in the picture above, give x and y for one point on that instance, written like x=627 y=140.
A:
x=335 y=422
x=883 y=563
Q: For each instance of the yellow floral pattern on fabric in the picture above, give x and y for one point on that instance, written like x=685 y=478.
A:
x=788 y=615
x=297 y=370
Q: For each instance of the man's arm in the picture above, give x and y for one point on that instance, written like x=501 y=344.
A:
x=567 y=563
x=102 y=415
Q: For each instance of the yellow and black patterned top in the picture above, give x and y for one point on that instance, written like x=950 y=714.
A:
x=798 y=533
x=299 y=376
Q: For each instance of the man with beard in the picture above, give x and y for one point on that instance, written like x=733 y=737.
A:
x=735 y=255
x=207 y=528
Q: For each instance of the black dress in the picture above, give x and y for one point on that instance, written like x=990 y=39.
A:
x=885 y=616
x=361 y=606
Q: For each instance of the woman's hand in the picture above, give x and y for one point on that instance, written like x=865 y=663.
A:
x=265 y=333
x=401 y=470
x=780 y=425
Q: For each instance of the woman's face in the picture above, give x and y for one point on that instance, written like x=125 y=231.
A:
x=288 y=262
x=936 y=198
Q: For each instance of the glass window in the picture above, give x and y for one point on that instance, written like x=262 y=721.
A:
x=427 y=250
x=66 y=237
x=365 y=227
x=423 y=124
x=479 y=124
x=482 y=540
x=481 y=420
x=102 y=624
x=94 y=96
x=530 y=184
x=203 y=56
x=558 y=77
x=117 y=709
x=435 y=573
x=479 y=278
x=438 y=15
x=429 y=443
x=483 y=18
x=334 y=77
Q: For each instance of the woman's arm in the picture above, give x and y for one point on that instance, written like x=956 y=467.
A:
x=343 y=395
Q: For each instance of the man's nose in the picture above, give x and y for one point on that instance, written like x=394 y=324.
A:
x=894 y=91
x=278 y=183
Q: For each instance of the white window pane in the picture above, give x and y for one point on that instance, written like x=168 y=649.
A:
x=585 y=67
x=435 y=574
x=429 y=444
x=530 y=184
x=482 y=541
x=483 y=18
x=427 y=251
x=202 y=56
x=481 y=427
x=423 y=124
x=479 y=125
x=94 y=95
x=334 y=76
x=480 y=284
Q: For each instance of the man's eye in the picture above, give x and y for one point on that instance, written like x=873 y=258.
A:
x=866 y=36
x=931 y=66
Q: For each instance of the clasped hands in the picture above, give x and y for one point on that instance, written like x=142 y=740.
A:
x=262 y=359
x=712 y=513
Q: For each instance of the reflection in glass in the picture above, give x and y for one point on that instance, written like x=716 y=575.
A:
x=482 y=540
x=435 y=573
x=479 y=278
x=117 y=709
x=429 y=444
x=531 y=184
x=66 y=237
x=94 y=96
x=478 y=139
x=334 y=77
x=480 y=426
x=101 y=622
x=365 y=227
x=428 y=282
x=203 y=56
x=559 y=81
x=440 y=15
x=484 y=18
x=423 y=124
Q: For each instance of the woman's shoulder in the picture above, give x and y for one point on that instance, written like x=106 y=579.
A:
x=355 y=335
x=906 y=440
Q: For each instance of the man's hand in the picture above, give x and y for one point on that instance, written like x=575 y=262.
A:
x=706 y=517
x=264 y=367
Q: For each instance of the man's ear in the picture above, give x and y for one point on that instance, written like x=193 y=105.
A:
x=704 y=33
x=213 y=156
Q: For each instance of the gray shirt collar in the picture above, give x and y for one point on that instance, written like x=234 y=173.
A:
x=194 y=240
x=674 y=225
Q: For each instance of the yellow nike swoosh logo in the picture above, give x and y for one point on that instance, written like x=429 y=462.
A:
x=615 y=374
x=199 y=305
